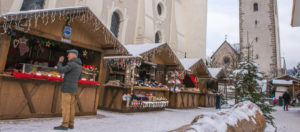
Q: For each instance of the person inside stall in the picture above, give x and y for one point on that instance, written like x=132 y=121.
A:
x=36 y=63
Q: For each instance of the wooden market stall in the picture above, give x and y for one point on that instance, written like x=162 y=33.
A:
x=194 y=79
x=286 y=83
x=30 y=44
x=139 y=82
x=213 y=86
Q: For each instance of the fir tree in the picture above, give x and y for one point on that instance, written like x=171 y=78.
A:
x=296 y=71
x=248 y=87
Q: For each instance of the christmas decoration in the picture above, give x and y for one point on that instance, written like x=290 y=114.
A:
x=23 y=46
x=90 y=70
x=247 y=86
x=85 y=53
x=16 y=43
x=23 y=22
x=48 y=44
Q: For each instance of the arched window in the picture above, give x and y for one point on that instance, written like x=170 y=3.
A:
x=32 y=5
x=115 y=24
x=157 y=37
x=255 y=7
x=159 y=9
x=226 y=60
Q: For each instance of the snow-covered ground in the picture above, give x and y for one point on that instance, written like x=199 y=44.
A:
x=287 y=121
x=136 y=122
x=111 y=122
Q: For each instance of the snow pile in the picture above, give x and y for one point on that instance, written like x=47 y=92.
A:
x=226 y=119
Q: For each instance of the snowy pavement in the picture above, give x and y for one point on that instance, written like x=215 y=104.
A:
x=111 y=122
x=286 y=121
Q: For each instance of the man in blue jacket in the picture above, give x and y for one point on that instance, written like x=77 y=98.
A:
x=72 y=74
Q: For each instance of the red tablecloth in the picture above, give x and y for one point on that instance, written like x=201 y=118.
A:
x=22 y=75
x=88 y=82
x=28 y=76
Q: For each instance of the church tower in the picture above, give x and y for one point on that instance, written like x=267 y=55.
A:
x=259 y=29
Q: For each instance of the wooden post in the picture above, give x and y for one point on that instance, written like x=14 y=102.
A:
x=132 y=77
x=4 y=48
x=101 y=80
x=293 y=91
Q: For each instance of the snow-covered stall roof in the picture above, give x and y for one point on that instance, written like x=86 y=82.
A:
x=121 y=57
x=163 y=50
x=194 y=64
x=81 y=14
x=189 y=62
x=282 y=82
x=214 y=72
x=288 y=77
x=138 y=49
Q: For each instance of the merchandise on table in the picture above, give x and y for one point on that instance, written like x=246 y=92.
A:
x=144 y=101
x=39 y=61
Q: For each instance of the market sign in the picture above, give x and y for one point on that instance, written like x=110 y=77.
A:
x=67 y=32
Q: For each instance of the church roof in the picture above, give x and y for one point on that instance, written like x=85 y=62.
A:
x=235 y=47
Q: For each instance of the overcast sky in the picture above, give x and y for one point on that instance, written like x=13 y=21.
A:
x=223 y=18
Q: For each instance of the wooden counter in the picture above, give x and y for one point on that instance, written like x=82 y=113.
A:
x=27 y=98
x=207 y=100
x=112 y=99
x=184 y=99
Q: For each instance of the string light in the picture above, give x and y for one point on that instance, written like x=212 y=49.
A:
x=82 y=14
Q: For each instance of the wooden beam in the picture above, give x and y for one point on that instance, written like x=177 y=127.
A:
x=78 y=100
x=4 y=48
x=55 y=99
x=25 y=101
x=28 y=98
x=113 y=99
x=39 y=33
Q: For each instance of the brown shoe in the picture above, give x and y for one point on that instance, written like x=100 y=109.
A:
x=71 y=126
x=60 y=128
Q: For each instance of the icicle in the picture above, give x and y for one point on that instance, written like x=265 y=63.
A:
x=47 y=18
x=59 y=15
x=4 y=27
x=43 y=18
x=28 y=26
x=53 y=17
x=36 y=21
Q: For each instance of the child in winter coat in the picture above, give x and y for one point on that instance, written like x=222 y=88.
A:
x=274 y=101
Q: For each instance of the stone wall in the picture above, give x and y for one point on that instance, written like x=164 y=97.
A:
x=260 y=30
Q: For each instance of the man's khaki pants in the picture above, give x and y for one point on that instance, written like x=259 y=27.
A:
x=68 y=109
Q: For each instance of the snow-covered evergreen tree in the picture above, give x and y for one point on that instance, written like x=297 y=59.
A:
x=248 y=87
x=296 y=71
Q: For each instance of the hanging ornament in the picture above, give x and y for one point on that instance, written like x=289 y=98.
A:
x=23 y=46
x=38 y=42
x=41 y=48
x=84 y=53
x=16 y=43
x=48 y=44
